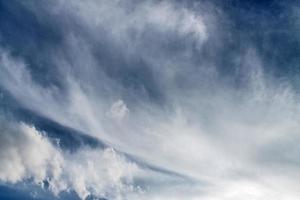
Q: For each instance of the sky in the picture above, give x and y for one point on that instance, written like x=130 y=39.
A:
x=149 y=100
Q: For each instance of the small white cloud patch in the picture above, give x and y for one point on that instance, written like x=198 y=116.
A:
x=118 y=110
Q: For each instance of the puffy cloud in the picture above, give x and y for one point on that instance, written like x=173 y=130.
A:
x=25 y=154
x=118 y=110
x=100 y=173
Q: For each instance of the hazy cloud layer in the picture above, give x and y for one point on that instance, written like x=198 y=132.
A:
x=189 y=98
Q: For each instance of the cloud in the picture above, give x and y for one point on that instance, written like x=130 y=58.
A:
x=136 y=17
x=201 y=125
x=27 y=154
x=118 y=110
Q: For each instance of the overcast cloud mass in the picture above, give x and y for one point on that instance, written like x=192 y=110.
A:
x=149 y=100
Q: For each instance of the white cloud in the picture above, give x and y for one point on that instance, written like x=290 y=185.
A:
x=25 y=153
x=101 y=173
x=163 y=16
x=118 y=110
x=217 y=136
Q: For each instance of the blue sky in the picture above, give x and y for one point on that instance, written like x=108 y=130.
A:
x=149 y=100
